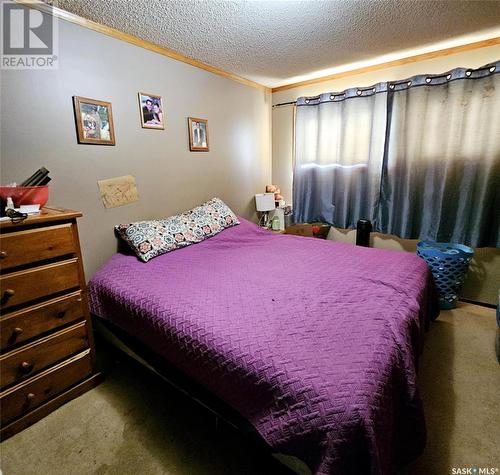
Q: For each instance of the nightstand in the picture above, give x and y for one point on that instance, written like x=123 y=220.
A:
x=317 y=230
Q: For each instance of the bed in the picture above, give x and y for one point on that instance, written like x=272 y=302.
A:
x=314 y=342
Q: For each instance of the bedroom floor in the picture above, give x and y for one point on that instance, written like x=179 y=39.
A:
x=135 y=423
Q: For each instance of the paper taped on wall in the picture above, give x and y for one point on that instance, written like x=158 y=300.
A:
x=118 y=191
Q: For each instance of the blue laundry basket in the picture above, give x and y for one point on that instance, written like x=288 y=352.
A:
x=448 y=263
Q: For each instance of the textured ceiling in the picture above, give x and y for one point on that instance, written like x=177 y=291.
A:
x=273 y=41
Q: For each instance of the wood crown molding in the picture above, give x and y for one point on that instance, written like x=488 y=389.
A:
x=120 y=35
x=390 y=64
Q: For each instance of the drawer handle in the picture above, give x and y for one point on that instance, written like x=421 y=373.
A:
x=9 y=293
x=61 y=314
x=26 y=366
x=30 y=396
x=3 y=254
x=17 y=331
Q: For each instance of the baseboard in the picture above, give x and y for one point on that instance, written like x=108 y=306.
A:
x=481 y=304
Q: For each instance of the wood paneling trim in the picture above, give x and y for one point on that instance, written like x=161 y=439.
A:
x=391 y=64
x=120 y=35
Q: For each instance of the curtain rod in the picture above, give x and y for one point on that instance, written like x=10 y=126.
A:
x=385 y=86
x=285 y=104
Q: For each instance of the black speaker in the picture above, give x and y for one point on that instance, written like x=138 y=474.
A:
x=363 y=230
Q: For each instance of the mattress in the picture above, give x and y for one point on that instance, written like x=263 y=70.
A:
x=314 y=342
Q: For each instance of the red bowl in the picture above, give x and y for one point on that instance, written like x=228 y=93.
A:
x=25 y=195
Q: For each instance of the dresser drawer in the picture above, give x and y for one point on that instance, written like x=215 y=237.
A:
x=20 y=364
x=20 y=326
x=28 y=395
x=31 y=284
x=32 y=245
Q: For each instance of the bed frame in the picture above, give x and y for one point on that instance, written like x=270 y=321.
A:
x=136 y=350
x=133 y=349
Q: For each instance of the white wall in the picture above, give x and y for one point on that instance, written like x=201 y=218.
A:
x=38 y=128
x=484 y=277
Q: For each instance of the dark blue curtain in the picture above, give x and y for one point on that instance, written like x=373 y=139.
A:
x=339 y=149
x=420 y=157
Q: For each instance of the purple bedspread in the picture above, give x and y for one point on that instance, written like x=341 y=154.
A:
x=314 y=342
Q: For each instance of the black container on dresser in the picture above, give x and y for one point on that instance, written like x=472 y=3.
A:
x=47 y=350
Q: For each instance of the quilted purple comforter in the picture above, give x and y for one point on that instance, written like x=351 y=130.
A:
x=314 y=342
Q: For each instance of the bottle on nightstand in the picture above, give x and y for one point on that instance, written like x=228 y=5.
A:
x=277 y=217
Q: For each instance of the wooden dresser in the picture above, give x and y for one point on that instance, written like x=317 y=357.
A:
x=47 y=349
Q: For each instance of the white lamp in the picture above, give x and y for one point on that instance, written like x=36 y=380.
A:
x=264 y=202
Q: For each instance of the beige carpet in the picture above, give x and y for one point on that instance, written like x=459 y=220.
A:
x=460 y=387
x=134 y=423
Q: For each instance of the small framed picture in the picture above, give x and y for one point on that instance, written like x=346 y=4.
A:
x=94 y=121
x=198 y=134
x=151 y=111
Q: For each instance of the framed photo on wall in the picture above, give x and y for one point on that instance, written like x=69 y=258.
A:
x=198 y=134
x=151 y=111
x=94 y=121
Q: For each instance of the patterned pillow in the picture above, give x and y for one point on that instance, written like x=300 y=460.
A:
x=149 y=239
